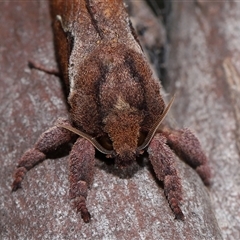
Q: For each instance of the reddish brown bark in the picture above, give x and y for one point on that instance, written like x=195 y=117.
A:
x=132 y=208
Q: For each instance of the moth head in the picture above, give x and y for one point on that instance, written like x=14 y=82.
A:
x=123 y=140
x=124 y=156
x=122 y=127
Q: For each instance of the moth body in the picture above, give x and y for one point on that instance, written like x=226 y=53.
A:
x=112 y=94
x=115 y=105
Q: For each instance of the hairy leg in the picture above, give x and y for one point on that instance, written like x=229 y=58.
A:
x=187 y=147
x=162 y=160
x=81 y=167
x=47 y=142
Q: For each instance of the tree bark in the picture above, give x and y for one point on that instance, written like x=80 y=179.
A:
x=202 y=71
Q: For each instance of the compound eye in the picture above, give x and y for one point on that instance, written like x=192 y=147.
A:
x=142 y=137
x=105 y=142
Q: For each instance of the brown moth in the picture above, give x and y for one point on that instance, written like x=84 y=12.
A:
x=115 y=105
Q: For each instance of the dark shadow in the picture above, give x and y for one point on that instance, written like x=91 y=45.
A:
x=109 y=166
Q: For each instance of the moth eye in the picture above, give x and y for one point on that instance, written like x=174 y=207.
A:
x=105 y=142
x=142 y=137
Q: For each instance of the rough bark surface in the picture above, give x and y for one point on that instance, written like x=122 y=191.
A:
x=133 y=208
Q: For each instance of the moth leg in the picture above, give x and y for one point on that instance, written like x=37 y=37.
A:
x=162 y=160
x=186 y=146
x=47 y=142
x=81 y=167
x=42 y=68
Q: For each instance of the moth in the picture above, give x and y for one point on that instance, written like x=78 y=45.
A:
x=115 y=105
